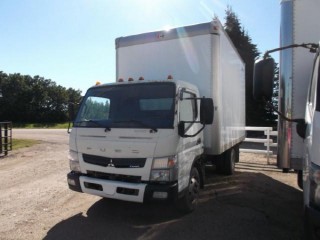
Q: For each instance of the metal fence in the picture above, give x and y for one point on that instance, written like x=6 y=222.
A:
x=267 y=141
x=5 y=138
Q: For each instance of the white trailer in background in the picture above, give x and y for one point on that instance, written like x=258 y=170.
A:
x=299 y=100
x=298 y=25
x=148 y=135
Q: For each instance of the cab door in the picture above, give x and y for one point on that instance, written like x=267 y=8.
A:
x=311 y=172
x=190 y=147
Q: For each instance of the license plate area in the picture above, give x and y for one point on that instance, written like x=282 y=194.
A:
x=128 y=191
x=93 y=186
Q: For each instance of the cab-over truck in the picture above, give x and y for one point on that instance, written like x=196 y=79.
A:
x=149 y=135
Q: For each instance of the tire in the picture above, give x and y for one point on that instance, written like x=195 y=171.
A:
x=300 y=179
x=237 y=149
x=218 y=162
x=308 y=228
x=229 y=161
x=286 y=170
x=189 y=201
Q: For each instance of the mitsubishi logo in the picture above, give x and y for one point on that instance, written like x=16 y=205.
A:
x=110 y=164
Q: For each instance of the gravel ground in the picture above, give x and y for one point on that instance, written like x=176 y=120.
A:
x=257 y=202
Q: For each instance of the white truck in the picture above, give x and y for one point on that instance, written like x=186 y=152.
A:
x=299 y=100
x=149 y=135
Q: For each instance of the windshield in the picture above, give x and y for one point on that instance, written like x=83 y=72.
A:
x=145 y=105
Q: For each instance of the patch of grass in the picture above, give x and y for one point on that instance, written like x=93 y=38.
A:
x=23 y=143
x=41 y=125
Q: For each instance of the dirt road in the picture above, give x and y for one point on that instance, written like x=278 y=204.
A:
x=258 y=202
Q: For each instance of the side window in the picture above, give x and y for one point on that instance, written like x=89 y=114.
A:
x=188 y=109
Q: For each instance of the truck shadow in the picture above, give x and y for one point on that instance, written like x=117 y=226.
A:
x=243 y=206
x=111 y=219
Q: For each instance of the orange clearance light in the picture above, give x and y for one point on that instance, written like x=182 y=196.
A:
x=215 y=26
x=120 y=80
x=141 y=78
x=130 y=79
x=98 y=83
x=170 y=77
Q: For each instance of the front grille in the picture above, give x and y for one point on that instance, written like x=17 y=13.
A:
x=114 y=162
x=114 y=177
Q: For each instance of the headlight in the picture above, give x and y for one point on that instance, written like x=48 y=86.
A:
x=74 y=161
x=160 y=175
x=315 y=186
x=164 y=169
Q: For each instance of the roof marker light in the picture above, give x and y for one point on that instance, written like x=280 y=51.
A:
x=120 y=80
x=130 y=79
x=98 y=83
x=170 y=77
x=141 y=78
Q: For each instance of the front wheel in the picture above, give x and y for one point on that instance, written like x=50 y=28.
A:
x=189 y=201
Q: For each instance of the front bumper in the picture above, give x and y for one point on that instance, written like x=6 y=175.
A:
x=133 y=192
x=73 y=181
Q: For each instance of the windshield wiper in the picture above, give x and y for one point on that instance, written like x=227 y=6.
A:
x=143 y=124
x=106 y=128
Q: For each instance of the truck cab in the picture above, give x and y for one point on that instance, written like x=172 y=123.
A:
x=307 y=128
x=311 y=169
x=140 y=141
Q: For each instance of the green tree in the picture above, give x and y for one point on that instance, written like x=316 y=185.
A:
x=256 y=112
x=74 y=98
x=275 y=98
x=34 y=99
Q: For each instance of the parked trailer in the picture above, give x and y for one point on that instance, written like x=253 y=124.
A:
x=149 y=135
x=298 y=25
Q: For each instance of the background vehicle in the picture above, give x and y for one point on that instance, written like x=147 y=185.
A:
x=149 y=137
x=299 y=102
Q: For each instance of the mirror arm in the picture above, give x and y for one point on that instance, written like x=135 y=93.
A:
x=270 y=105
x=193 y=135
x=311 y=46
x=69 y=127
x=72 y=116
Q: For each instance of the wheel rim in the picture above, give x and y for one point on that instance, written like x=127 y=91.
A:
x=233 y=159
x=194 y=186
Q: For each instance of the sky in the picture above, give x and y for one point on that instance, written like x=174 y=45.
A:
x=72 y=43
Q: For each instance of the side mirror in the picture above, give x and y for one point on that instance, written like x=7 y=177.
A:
x=181 y=129
x=301 y=128
x=263 y=75
x=206 y=111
